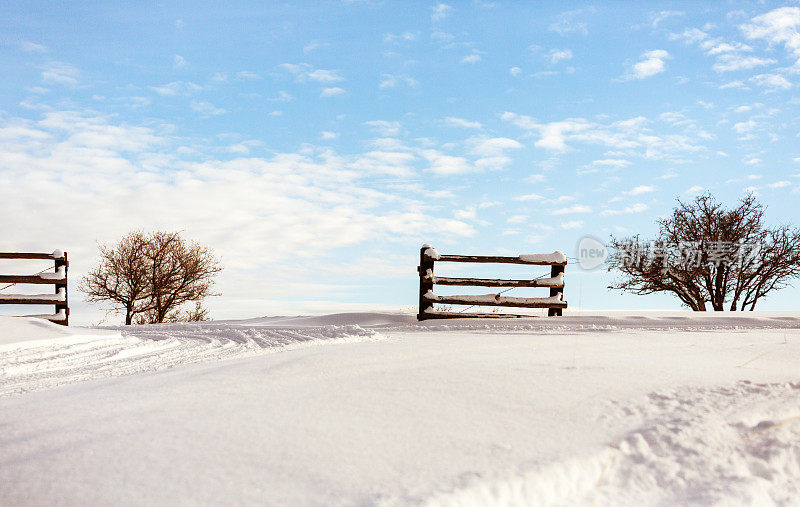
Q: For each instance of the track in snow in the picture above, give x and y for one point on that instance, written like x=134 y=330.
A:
x=34 y=365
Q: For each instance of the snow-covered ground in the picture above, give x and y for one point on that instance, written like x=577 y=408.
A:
x=605 y=409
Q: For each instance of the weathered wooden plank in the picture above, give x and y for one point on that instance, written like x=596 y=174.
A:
x=33 y=299
x=491 y=300
x=501 y=260
x=34 y=279
x=433 y=314
x=496 y=282
x=28 y=255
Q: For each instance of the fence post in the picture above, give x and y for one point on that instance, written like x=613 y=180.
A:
x=425 y=264
x=554 y=272
x=65 y=305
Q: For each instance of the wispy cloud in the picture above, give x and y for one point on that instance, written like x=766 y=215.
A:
x=729 y=62
x=402 y=37
x=177 y=88
x=657 y=17
x=641 y=189
x=461 y=122
x=572 y=22
x=32 y=47
x=207 y=108
x=332 y=92
x=305 y=72
x=179 y=62
x=246 y=75
x=578 y=208
x=313 y=46
x=636 y=208
x=395 y=80
x=557 y=55
x=440 y=11
x=60 y=73
x=383 y=127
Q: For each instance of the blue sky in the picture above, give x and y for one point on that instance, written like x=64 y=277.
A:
x=316 y=145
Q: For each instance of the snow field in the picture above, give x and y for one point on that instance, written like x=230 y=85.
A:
x=647 y=409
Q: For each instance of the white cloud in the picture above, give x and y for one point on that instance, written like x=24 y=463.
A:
x=32 y=47
x=729 y=62
x=641 y=189
x=446 y=165
x=332 y=92
x=515 y=71
x=693 y=190
x=461 y=122
x=578 y=208
x=612 y=162
x=572 y=22
x=528 y=197
x=636 y=208
x=60 y=73
x=572 y=224
x=627 y=138
x=313 y=46
x=207 y=108
x=327 y=135
x=282 y=96
x=690 y=35
x=385 y=128
x=404 y=37
x=779 y=26
x=179 y=62
x=732 y=84
x=393 y=80
x=305 y=72
x=493 y=146
x=717 y=48
x=557 y=55
x=658 y=17
x=780 y=184
x=474 y=57
x=177 y=88
x=440 y=11
x=772 y=81
x=650 y=64
x=246 y=75
x=384 y=162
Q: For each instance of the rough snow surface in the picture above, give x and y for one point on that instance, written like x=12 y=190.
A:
x=602 y=409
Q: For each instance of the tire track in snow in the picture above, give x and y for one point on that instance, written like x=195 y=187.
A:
x=35 y=365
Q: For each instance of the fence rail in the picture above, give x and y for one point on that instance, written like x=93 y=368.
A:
x=427 y=280
x=58 y=278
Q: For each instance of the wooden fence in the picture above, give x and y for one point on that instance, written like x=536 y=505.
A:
x=57 y=278
x=427 y=280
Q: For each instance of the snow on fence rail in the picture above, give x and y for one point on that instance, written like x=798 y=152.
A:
x=555 y=303
x=57 y=278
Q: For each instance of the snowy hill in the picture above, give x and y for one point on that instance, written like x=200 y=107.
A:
x=607 y=409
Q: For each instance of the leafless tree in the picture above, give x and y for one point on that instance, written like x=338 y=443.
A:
x=707 y=254
x=169 y=273
x=120 y=277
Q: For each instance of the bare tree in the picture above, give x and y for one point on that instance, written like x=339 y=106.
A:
x=169 y=273
x=120 y=277
x=705 y=254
